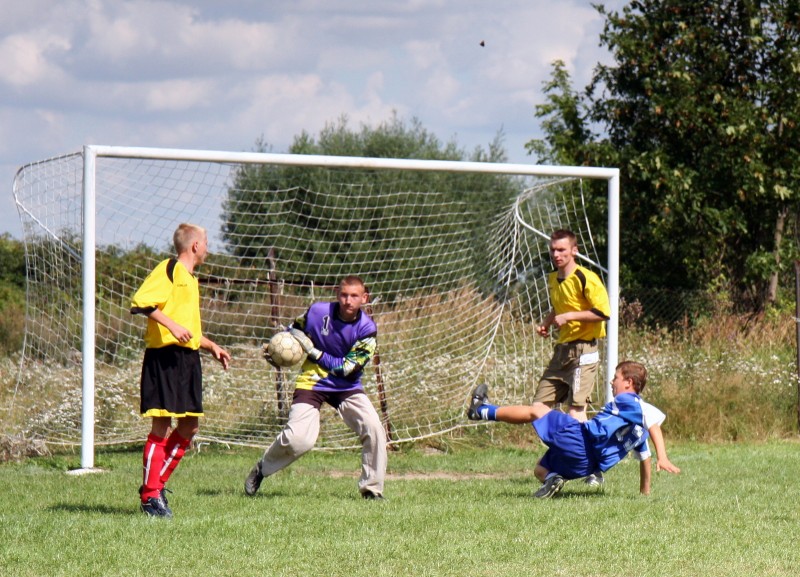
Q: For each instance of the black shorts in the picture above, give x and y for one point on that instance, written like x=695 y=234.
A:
x=172 y=383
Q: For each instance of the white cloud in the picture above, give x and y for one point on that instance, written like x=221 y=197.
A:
x=153 y=37
x=177 y=95
x=25 y=58
x=208 y=74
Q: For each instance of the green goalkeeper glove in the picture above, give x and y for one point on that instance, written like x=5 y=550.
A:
x=306 y=343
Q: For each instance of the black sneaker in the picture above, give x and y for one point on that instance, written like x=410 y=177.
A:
x=370 y=496
x=551 y=486
x=253 y=481
x=162 y=499
x=163 y=496
x=153 y=507
x=480 y=396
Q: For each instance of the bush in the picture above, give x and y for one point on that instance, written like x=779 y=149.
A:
x=12 y=318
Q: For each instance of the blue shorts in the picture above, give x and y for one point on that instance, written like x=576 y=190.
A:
x=567 y=453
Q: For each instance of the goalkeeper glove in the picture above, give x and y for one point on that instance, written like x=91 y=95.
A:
x=308 y=346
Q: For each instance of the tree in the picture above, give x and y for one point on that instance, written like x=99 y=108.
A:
x=325 y=202
x=12 y=294
x=700 y=111
x=12 y=261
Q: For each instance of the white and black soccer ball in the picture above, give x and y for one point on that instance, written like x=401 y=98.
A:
x=285 y=350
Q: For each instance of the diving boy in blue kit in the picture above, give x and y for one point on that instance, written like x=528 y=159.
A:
x=577 y=449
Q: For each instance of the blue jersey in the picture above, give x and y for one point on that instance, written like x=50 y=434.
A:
x=578 y=449
x=616 y=430
x=346 y=348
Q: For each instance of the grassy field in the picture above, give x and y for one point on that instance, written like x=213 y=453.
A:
x=461 y=511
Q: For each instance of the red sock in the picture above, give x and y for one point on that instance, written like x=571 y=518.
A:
x=175 y=448
x=153 y=462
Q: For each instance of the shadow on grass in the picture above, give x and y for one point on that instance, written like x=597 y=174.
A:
x=236 y=492
x=104 y=509
x=564 y=494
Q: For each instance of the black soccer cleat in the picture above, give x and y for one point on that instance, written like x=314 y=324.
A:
x=163 y=496
x=253 y=481
x=154 y=507
x=370 y=496
x=551 y=486
x=162 y=500
x=480 y=396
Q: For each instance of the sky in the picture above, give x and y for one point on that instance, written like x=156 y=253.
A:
x=223 y=74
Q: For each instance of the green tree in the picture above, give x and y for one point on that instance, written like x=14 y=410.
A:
x=12 y=261
x=12 y=293
x=700 y=111
x=344 y=212
x=567 y=134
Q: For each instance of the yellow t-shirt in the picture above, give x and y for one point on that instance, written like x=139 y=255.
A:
x=580 y=291
x=178 y=298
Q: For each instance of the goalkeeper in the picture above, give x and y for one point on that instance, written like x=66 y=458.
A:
x=575 y=448
x=339 y=339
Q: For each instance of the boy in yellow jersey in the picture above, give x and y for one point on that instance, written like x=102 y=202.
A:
x=580 y=308
x=171 y=384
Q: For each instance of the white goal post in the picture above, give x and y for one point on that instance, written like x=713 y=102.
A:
x=165 y=213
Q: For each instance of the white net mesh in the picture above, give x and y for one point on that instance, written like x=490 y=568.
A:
x=455 y=263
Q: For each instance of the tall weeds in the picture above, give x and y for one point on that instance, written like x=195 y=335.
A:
x=728 y=378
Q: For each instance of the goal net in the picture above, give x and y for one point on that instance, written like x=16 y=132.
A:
x=455 y=256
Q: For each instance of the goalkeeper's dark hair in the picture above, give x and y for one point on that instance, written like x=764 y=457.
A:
x=354 y=279
x=635 y=372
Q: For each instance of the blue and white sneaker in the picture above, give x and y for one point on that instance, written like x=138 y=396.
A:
x=480 y=396
x=595 y=479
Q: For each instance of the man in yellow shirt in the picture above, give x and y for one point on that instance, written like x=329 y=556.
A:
x=580 y=309
x=171 y=385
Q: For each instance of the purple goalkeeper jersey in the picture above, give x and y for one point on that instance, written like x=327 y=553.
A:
x=346 y=348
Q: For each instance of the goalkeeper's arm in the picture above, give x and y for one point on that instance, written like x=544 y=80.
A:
x=355 y=360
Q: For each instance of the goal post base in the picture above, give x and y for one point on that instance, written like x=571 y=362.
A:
x=85 y=471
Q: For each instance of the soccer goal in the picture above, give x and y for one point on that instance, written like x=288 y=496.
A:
x=455 y=255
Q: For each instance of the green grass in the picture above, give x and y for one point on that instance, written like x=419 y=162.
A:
x=465 y=512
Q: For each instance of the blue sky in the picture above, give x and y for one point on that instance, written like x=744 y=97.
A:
x=218 y=75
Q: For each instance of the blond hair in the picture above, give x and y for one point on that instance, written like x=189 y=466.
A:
x=185 y=235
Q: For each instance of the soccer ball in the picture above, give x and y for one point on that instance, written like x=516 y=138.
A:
x=285 y=350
